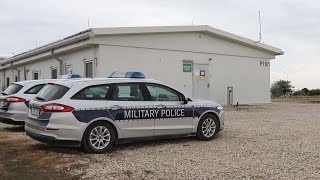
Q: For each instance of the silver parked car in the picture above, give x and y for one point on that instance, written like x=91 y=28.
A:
x=14 y=101
x=98 y=113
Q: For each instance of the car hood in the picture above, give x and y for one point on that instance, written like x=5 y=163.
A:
x=203 y=102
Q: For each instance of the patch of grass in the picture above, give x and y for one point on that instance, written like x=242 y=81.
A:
x=19 y=161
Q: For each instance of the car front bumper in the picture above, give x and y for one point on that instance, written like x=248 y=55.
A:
x=221 y=118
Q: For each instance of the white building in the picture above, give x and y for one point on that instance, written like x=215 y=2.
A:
x=200 y=61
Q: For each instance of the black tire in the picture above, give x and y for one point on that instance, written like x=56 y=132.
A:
x=87 y=145
x=209 y=136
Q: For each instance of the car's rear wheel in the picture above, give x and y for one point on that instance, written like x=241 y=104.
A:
x=99 y=137
x=208 y=127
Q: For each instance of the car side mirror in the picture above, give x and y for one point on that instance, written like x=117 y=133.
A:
x=185 y=100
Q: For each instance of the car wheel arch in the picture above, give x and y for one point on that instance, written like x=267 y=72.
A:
x=111 y=122
x=211 y=113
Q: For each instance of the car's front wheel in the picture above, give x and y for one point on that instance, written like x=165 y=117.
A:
x=99 y=137
x=208 y=127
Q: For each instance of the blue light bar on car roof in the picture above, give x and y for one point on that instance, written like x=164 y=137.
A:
x=126 y=75
x=70 y=76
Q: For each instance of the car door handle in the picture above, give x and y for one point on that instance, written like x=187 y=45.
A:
x=159 y=106
x=116 y=107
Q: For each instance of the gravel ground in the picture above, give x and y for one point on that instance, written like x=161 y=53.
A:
x=278 y=141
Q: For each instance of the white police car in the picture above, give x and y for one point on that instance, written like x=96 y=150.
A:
x=97 y=113
x=14 y=101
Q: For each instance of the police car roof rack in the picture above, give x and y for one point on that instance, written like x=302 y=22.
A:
x=129 y=74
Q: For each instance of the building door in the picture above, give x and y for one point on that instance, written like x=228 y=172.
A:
x=201 y=83
x=230 y=95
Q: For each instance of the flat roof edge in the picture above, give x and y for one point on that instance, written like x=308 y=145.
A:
x=56 y=44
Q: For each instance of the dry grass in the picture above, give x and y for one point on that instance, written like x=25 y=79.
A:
x=19 y=157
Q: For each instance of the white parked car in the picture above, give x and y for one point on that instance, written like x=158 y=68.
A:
x=98 y=113
x=14 y=101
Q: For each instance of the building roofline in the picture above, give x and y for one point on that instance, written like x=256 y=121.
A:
x=56 y=44
x=86 y=34
x=198 y=28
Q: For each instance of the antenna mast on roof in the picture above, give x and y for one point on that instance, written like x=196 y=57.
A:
x=260 y=35
x=88 y=23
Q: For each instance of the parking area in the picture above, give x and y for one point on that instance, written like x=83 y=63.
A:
x=280 y=140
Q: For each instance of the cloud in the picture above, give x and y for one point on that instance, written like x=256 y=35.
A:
x=292 y=25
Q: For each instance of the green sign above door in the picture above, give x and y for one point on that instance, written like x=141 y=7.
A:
x=187 y=67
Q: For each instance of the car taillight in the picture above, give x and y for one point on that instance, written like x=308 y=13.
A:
x=56 y=108
x=13 y=99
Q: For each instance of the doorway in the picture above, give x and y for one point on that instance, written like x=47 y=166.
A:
x=201 y=81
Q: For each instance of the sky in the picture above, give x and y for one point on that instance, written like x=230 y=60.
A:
x=291 y=25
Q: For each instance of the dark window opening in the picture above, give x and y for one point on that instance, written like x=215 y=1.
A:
x=8 y=82
x=54 y=73
x=89 y=69
x=35 y=75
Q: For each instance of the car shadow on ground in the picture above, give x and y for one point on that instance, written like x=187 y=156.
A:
x=184 y=141
x=12 y=129
x=56 y=149
x=181 y=141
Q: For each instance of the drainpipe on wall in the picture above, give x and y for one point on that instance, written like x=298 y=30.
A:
x=4 y=80
x=25 y=73
x=60 y=62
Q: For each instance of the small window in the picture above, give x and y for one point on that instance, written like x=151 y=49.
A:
x=127 y=92
x=52 y=92
x=18 y=75
x=8 y=82
x=35 y=75
x=54 y=73
x=163 y=93
x=68 y=69
x=35 y=89
x=89 y=69
x=92 y=93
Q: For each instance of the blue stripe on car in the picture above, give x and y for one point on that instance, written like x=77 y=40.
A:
x=5 y=107
x=27 y=103
x=42 y=120
x=119 y=114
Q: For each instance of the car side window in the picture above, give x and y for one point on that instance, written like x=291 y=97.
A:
x=163 y=93
x=127 y=92
x=92 y=93
x=34 y=89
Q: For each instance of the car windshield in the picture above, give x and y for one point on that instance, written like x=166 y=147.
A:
x=52 y=92
x=12 y=89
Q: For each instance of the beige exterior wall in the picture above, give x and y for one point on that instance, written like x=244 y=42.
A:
x=160 y=56
x=251 y=82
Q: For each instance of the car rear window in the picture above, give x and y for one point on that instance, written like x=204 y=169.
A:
x=35 y=89
x=52 y=92
x=12 y=89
